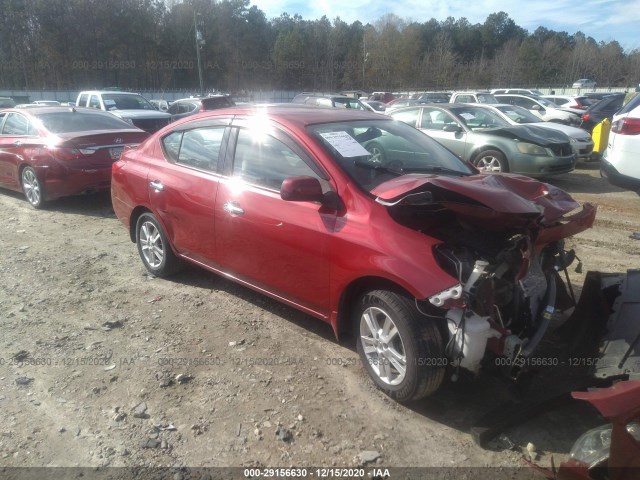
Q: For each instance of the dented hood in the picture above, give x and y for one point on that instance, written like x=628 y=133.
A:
x=495 y=200
x=531 y=134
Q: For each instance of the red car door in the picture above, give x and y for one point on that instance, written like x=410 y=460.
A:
x=16 y=137
x=182 y=190
x=273 y=244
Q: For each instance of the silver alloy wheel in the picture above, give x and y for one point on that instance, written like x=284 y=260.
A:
x=151 y=244
x=489 y=163
x=377 y=155
x=31 y=186
x=382 y=345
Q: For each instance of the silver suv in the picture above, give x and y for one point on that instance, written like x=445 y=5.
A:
x=133 y=108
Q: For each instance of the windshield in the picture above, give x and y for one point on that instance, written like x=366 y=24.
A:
x=519 y=114
x=65 y=122
x=119 y=101
x=374 y=151
x=477 y=118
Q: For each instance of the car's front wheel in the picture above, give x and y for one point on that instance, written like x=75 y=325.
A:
x=32 y=187
x=491 y=161
x=153 y=247
x=401 y=350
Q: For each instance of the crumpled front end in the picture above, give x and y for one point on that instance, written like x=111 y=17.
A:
x=502 y=237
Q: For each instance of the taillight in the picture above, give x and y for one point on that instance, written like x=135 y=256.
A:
x=69 y=153
x=626 y=126
x=585 y=117
x=65 y=153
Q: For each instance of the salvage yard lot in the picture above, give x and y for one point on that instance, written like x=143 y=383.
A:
x=101 y=364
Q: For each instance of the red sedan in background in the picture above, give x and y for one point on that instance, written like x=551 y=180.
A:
x=51 y=152
x=430 y=264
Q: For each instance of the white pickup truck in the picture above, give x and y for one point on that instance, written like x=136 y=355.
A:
x=131 y=107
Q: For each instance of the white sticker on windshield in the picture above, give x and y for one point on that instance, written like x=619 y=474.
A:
x=345 y=144
x=468 y=116
x=109 y=102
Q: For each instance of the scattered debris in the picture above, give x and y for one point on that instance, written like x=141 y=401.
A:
x=284 y=434
x=108 y=326
x=183 y=378
x=23 y=380
x=21 y=356
x=140 y=410
x=150 y=443
x=155 y=299
x=531 y=451
x=368 y=456
x=635 y=236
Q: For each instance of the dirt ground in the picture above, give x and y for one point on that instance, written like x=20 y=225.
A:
x=103 y=365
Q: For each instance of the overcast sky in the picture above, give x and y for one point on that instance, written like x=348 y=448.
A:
x=604 y=20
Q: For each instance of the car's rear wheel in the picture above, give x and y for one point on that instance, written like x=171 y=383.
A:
x=153 y=247
x=491 y=161
x=32 y=187
x=402 y=350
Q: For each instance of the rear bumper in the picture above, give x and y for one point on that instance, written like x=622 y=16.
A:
x=62 y=181
x=608 y=171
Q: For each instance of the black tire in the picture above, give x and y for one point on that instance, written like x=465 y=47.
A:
x=378 y=155
x=418 y=340
x=491 y=161
x=153 y=247
x=32 y=187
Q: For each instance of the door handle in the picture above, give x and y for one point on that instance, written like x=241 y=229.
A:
x=156 y=185
x=18 y=143
x=233 y=208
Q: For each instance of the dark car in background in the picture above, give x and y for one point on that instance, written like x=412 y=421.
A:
x=7 y=102
x=410 y=253
x=605 y=108
x=190 y=106
x=51 y=152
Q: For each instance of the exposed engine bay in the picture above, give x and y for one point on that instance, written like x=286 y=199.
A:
x=506 y=256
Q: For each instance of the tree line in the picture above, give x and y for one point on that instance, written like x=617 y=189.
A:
x=154 y=45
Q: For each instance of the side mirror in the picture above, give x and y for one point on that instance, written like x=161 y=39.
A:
x=452 y=127
x=536 y=107
x=301 y=189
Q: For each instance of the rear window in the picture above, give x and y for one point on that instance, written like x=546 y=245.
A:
x=216 y=102
x=119 y=101
x=633 y=103
x=65 y=122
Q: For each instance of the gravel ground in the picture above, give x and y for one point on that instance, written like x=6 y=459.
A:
x=103 y=365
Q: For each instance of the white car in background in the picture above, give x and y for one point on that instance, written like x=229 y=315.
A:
x=621 y=160
x=543 y=109
x=581 y=141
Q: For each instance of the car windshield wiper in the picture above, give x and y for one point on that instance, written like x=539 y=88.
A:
x=380 y=168
x=433 y=168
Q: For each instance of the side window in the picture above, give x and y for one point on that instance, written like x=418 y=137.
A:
x=465 y=99
x=198 y=148
x=267 y=162
x=525 y=102
x=94 y=102
x=173 y=109
x=82 y=102
x=408 y=116
x=433 y=119
x=16 y=125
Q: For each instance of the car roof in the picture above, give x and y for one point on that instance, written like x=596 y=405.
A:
x=290 y=113
x=102 y=92
x=38 y=109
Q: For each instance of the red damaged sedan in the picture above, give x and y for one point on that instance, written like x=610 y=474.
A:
x=51 y=152
x=363 y=222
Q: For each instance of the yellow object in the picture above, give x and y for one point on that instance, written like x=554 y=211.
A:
x=600 y=136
